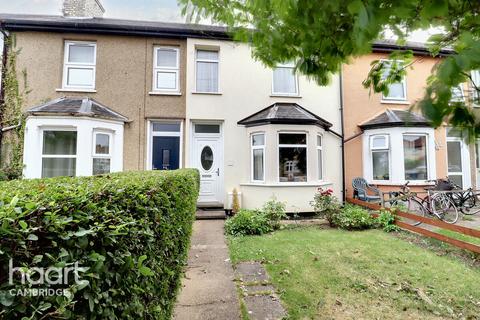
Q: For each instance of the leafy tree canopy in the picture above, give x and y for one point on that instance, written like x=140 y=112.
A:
x=321 y=35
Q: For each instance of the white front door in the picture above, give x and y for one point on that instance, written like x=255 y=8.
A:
x=207 y=157
x=458 y=162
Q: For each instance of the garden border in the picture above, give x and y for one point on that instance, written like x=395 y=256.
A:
x=455 y=242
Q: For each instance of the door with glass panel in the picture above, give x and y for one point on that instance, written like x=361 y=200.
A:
x=165 y=145
x=207 y=157
x=477 y=163
x=458 y=159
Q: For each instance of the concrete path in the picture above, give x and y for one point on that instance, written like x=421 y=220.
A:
x=208 y=291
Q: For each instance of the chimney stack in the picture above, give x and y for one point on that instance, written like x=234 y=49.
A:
x=83 y=8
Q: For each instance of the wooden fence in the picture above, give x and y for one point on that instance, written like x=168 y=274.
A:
x=433 y=222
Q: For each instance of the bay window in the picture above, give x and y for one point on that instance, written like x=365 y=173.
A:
x=79 y=65
x=285 y=80
x=292 y=156
x=166 y=69
x=258 y=157
x=379 y=149
x=207 y=71
x=102 y=153
x=59 y=152
x=397 y=90
x=319 y=157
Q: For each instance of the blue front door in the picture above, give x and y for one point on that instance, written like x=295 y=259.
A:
x=165 y=153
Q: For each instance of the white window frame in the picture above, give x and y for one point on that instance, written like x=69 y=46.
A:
x=151 y=134
x=403 y=82
x=217 y=61
x=383 y=148
x=475 y=94
x=96 y=155
x=290 y=65
x=157 y=69
x=414 y=134
x=58 y=156
x=78 y=65
x=320 y=175
x=291 y=146
x=259 y=147
x=396 y=154
x=456 y=99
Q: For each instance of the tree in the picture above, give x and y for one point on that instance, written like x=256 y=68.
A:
x=321 y=35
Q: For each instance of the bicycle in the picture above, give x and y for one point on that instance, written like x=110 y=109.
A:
x=465 y=200
x=436 y=204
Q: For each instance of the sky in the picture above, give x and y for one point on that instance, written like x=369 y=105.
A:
x=157 y=10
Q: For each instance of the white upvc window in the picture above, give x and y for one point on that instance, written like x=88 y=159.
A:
x=102 y=152
x=285 y=81
x=475 y=92
x=380 y=155
x=207 y=66
x=415 y=157
x=59 y=153
x=457 y=94
x=292 y=157
x=79 y=66
x=320 y=157
x=258 y=157
x=166 y=76
x=396 y=91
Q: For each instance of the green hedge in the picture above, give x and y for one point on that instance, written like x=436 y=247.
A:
x=130 y=231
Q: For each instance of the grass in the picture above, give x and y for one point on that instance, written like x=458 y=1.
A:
x=459 y=236
x=368 y=275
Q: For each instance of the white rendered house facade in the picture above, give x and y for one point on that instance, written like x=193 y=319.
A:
x=266 y=133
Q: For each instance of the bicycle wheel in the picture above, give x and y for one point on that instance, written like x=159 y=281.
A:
x=469 y=205
x=444 y=208
x=412 y=206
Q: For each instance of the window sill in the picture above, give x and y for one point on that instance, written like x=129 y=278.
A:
x=288 y=184
x=208 y=93
x=403 y=102
x=279 y=95
x=164 y=93
x=75 y=90
x=400 y=183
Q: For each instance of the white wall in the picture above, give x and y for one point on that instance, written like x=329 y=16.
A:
x=246 y=87
x=32 y=157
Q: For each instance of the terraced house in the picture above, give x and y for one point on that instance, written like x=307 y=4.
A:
x=109 y=95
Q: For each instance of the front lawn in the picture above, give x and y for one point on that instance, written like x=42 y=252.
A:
x=367 y=274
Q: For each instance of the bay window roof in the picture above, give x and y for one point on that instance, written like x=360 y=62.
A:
x=284 y=113
x=395 y=118
x=77 y=107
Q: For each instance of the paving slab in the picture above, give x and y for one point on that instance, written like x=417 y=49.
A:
x=251 y=272
x=208 y=290
x=255 y=289
x=267 y=307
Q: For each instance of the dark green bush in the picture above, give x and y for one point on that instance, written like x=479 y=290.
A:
x=386 y=221
x=274 y=211
x=130 y=231
x=248 y=222
x=354 y=218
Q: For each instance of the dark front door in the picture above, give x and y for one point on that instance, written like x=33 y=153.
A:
x=165 y=153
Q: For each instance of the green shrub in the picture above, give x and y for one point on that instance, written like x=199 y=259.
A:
x=326 y=205
x=129 y=231
x=386 y=221
x=274 y=211
x=248 y=222
x=353 y=218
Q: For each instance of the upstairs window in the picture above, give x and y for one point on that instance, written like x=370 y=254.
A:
x=292 y=157
x=258 y=157
x=457 y=94
x=207 y=71
x=379 y=148
x=102 y=153
x=166 y=69
x=475 y=85
x=79 y=65
x=396 y=91
x=285 y=80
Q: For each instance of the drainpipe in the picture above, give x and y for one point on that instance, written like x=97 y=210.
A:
x=344 y=191
x=2 y=82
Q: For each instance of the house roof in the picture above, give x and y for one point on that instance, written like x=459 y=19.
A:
x=77 y=107
x=96 y=25
x=395 y=118
x=26 y=22
x=284 y=113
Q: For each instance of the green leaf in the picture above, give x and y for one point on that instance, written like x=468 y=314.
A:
x=83 y=232
x=6 y=298
x=23 y=224
x=140 y=261
x=38 y=258
x=82 y=284
x=32 y=237
x=146 y=271
x=30 y=205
